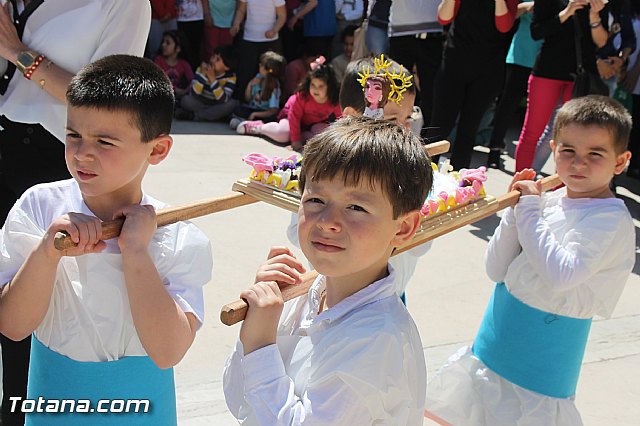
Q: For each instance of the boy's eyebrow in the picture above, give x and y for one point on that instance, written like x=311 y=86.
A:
x=598 y=148
x=99 y=136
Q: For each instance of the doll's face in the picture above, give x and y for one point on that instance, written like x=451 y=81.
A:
x=373 y=91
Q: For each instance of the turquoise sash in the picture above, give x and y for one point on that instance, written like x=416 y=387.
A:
x=55 y=377
x=533 y=349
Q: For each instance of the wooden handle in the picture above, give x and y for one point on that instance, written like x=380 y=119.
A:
x=235 y=312
x=112 y=228
x=437 y=148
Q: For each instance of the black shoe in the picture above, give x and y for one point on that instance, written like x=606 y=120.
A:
x=494 y=159
x=183 y=114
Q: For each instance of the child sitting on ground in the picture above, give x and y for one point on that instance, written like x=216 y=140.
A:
x=307 y=112
x=340 y=62
x=263 y=92
x=211 y=96
x=110 y=318
x=559 y=259
x=348 y=352
x=174 y=64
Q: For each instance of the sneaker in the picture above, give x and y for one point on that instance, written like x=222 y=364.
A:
x=249 y=127
x=234 y=122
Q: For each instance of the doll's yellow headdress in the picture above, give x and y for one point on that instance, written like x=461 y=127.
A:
x=399 y=82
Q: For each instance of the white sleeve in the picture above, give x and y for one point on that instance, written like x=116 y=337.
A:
x=18 y=237
x=347 y=393
x=503 y=247
x=126 y=29
x=184 y=261
x=292 y=230
x=354 y=13
x=574 y=259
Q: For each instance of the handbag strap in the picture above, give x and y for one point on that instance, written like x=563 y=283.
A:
x=578 y=35
x=20 y=22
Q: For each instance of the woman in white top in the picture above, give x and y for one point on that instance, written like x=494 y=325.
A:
x=264 y=20
x=42 y=45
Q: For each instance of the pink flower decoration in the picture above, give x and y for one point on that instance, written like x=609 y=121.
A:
x=259 y=162
x=320 y=60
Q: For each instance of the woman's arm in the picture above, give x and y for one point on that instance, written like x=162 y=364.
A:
x=599 y=34
x=241 y=11
x=505 y=14
x=547 y=20
x=448 y=10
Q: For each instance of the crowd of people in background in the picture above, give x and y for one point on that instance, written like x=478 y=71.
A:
x=472 y=62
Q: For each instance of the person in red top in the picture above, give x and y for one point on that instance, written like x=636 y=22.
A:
x=163 y=18
x=471 y=71
x=307 y=112
x=174 y=64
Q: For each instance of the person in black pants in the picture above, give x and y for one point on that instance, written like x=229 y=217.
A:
x=472 y=69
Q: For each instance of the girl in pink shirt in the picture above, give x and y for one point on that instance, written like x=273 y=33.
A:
x=307 y=112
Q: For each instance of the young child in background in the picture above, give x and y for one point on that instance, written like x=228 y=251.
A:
x=559 y=259
x=349 y=13
x=211 y=96
x=340 y=62
x=173 y=63
x=307 y=112
x=263 y=92
x=348 y=352
x=110 y=318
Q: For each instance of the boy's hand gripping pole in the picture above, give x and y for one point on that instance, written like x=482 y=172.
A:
x=112 y=228
x=235 y=312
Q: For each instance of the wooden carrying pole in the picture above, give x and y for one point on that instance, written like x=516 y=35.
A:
x=235 y=312
x=112 y=228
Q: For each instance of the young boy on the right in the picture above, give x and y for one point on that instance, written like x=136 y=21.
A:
x=559 y=259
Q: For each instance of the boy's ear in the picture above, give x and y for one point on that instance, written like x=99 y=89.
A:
x=621 y=162
x=553 y=144
x=407 y=227
x=161 y=147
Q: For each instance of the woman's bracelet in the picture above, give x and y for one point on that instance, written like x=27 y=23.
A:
x=595 y=24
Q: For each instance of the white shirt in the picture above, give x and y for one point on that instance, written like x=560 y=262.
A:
x=72 y=34
x=89 y=317
x=357 y=363
x=404 y=264
x=351 y=9
x=561 y=255
x=261 y=16
x=190 y=10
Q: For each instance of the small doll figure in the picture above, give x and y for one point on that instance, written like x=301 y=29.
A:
x=382 y=85
x=376 y=94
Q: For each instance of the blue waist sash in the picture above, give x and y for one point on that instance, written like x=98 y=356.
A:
x=533 y=349
x=55 y=377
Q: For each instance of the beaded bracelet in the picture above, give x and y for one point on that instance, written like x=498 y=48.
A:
x=595 y=24
x=29 y=71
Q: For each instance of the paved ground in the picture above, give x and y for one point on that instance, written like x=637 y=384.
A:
x=446 y=297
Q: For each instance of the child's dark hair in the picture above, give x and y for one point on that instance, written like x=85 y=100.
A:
x=228 y=55
x=325 y=73
x=595 y=110
x=179 y=40
x=130 y=84
x=274 y=64
x=349 y=31
x=352 y=92
x=359 y=148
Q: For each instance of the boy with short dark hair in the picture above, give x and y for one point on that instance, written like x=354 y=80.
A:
x=559 y=259
x=211 y=96
x=110 y=318
x=348 y=352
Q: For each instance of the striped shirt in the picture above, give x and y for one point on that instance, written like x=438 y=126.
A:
x=220 y=89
